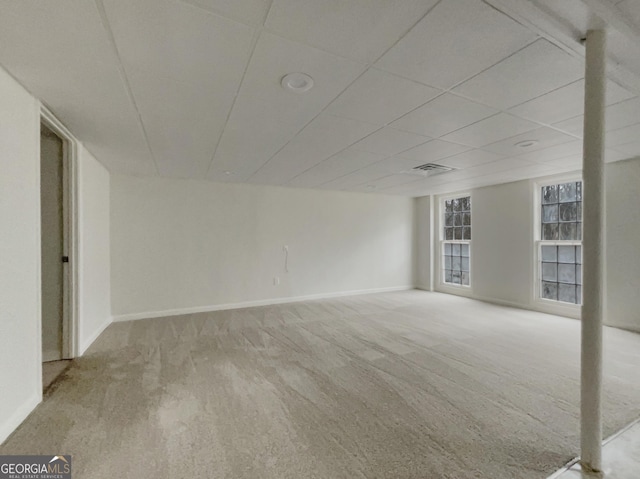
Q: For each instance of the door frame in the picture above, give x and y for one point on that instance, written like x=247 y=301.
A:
x=70 y=232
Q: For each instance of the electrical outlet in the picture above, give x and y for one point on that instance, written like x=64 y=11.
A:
x=276 y=280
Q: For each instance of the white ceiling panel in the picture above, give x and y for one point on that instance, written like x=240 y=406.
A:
x=456 y=40
x=621 y=136
x=573 y=126
x=626 y=151
x=487 y=169
x=622 y=114
x=251 y=136
x=340 y=164
x=433 y=151
x=251 y=12
x=386 y=182
x=544 y=138
x=273 y=58
x=443 y=115
x=164 y=104
x=565 y=102
x=388 y=142
x=617 y=116
x=175 y=40
x=469 y=159
x=379 y=97
x=322 y=138
x=563 y=150
x=533 y=71
x=490 y=130
x=61 y=53
x=352 y=180
x=358 y=29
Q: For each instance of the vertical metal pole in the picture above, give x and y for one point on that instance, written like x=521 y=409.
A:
x=593 y=252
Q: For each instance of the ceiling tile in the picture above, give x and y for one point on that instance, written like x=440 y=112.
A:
x=388 y=142
x=340 y=164
x=622 y=114
x=545 y=137
x=565 y=102
x=250 y=138
x=323 y=137
x=186 y=151
x=251 y=12
x=358 y=29
x=533 y=71
x=379 y=97
x=621 y=136
x=433 y=151
x=617 y=116
x=469 y=159
x=436 y=53
x=380 y=184
x=622 y=152
x=60 y=52
x=442 y=115
x=177 y=41
x=273 y=58
x=551 y=153
x=488 y=168
x=573 y=126
x=490 y=130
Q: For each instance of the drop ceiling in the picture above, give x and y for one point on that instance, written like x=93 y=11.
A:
x=191 y=88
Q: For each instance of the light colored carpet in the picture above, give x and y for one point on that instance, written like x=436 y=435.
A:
x=396 y=385
x=51 y=370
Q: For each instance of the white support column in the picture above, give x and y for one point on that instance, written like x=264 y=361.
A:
x=593 y=251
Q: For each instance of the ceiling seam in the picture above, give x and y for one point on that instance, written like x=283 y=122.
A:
x=256 y=38
x=367 y=67
x=112 y=41
x=442 y=92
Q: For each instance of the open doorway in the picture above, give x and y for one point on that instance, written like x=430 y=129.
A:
x=56 y=234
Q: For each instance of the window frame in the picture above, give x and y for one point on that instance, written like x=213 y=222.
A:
x=553 y=306
x=459 y=288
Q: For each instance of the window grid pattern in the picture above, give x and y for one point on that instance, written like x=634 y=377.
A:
x=457 y=263
x=562 y=212
x=456 y=257
x=457 y=219
x=560 y=273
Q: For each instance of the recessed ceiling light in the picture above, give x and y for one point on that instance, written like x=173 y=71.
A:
x=526 y=143
x=297 y=82
x=228 y=173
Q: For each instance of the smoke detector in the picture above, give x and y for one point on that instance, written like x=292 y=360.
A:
x=297 y=82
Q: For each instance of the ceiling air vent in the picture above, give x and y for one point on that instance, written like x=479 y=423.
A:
x=429 y=169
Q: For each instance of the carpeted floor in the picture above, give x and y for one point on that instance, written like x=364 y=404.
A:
x=395 y=385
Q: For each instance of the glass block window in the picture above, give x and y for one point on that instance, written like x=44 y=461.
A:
x=561 y=213
x=562 y=273
x=456 y=263
x=457 y=219
x=456 y=244
x=560 y=244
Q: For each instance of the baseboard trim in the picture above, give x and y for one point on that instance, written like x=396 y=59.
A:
x=249 y=304
x=87 y=344
x=18 y=417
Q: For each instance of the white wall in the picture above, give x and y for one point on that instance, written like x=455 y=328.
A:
x=20 y=341
x=623 y=239
x=94 y=265
x=503 y=241
x=424 y=243
x=181 y=245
